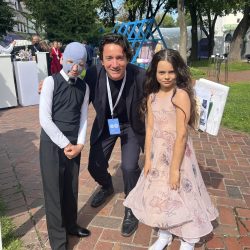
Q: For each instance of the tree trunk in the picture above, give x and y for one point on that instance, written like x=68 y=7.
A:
x=113 y=13
x=194 y=32
x=238 y=36
x=183 y=29
x=211 y=43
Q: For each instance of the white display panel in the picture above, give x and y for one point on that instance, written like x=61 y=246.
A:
x=26 y=73
x=217 y=99
x=8 y=96
x=42 y=65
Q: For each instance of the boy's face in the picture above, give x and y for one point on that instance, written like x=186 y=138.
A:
x=75 y=68
x=114 y=61
x=74 y=58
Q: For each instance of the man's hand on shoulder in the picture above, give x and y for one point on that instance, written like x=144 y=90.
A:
x=40 y=86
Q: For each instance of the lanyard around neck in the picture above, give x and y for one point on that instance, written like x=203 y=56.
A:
x=119 y=95
x=56 y=51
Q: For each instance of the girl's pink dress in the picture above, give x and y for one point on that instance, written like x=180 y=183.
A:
x=187 y=212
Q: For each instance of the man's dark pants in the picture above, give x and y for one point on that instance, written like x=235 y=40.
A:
x=100 y=153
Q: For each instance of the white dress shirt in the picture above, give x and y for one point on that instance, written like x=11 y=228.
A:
x=6 y=50
x=45 y=114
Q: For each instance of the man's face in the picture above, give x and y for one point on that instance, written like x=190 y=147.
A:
x=114 y=61
x=35 y=40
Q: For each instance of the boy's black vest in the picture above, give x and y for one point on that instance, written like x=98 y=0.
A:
x=66 y=106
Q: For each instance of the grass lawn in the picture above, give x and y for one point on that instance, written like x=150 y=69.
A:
x=233 y=66
x=237 y=66
x=10 y=242
x=197 y=73
x=237 y=111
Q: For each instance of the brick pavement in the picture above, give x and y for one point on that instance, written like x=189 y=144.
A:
x=224 y=161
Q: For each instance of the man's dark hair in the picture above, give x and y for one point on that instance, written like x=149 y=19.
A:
x=119 y=40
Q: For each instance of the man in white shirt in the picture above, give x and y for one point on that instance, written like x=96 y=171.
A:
x=63 y=117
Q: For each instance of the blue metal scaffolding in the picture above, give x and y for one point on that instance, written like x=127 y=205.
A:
x=139 y=33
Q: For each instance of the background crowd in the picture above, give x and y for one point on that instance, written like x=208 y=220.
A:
x=55 y=51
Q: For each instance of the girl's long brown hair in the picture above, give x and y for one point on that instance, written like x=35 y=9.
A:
x=183 y=80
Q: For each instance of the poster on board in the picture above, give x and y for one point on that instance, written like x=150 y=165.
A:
x=212 y=97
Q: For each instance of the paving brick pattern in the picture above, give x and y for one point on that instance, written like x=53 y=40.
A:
x=224 y=161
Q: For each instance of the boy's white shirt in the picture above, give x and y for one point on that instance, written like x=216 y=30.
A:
x=45 y=114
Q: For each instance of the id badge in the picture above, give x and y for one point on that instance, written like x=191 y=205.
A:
x=114 y=127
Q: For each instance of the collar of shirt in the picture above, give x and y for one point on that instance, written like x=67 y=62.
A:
x=71 y=81
x=64 y=75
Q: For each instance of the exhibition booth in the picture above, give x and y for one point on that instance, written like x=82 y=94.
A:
x=19 y=80
x=8 y=97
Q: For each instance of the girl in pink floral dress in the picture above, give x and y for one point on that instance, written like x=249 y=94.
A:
x=170 y=193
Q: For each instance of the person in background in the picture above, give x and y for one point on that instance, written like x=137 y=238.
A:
x=90 y=52
x=60 y=46
x=56 y=56
x=44 y=46
x=63 y=114
x=170 y=193
x=7 y=50
x=35 y=44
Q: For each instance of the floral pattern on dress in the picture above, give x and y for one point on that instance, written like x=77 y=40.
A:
x=165 y=204
x=188 y=151
x=186 y=185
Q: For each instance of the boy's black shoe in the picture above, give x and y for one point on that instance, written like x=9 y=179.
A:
x=79 y=232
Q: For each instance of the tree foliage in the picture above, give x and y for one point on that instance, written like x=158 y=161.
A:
x=83 y=19
x=37 y=13
x=108 y=12
x=136 y=8
x=66 y=20
x=7 y=21
x=205 y=13
x=139 y=9
x=168 y=21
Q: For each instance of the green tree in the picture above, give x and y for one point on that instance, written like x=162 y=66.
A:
x=139 y=9
x=208 y=12
x=240 y=31
x=108 y=12
x=37 y=13
x=7 y=21
x=205 y=13
x=168 y=21
x=67 y=21
x=136 y=8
